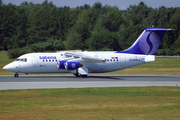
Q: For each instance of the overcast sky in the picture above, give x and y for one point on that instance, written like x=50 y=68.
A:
x=121 y=4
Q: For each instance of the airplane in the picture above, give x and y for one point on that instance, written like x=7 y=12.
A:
x=82 y=63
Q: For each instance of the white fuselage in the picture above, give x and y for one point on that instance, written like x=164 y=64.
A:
x=47 y=62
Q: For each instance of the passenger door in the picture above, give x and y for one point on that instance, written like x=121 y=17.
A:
x=34 y=61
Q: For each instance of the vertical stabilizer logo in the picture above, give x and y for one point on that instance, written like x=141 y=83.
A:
x=149 y=43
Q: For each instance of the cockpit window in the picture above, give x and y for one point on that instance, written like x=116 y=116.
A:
x=21 y=59
x=25 y=59
x=17 y=59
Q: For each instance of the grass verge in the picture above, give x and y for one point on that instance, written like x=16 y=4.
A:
x=135 y=103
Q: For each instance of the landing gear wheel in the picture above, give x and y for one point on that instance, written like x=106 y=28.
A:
x=16 y=75
x=84 y=76
x=77 y=73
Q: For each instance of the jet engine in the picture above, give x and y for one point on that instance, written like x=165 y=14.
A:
x=64 y=64
x=61 y=64
x=72 y=65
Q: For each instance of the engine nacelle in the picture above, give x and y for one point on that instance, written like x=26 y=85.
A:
x=72 y=65
x=61 y=64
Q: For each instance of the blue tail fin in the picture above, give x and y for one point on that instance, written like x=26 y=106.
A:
x=148 y=42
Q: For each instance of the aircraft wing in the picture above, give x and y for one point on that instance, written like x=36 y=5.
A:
x=84 y=57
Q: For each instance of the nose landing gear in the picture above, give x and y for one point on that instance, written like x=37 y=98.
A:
x=16 y=75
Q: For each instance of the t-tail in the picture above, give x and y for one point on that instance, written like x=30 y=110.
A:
x=148 y=42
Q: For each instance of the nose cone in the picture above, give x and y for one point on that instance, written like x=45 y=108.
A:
x=5 y=67
x=10 y=67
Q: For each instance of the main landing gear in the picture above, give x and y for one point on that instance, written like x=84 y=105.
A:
x=78 y=75
x=84 y=76
x=16 y=75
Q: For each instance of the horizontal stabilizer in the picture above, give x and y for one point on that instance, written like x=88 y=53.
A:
x=155 y=29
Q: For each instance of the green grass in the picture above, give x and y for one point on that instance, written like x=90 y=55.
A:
x=135 y=103
x=166 y=66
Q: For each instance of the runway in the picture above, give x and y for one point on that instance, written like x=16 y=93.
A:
x=70 y=81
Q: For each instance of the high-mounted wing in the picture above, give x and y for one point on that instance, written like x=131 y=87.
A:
x=85 y=57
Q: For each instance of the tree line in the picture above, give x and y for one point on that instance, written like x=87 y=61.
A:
x=46 y=27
